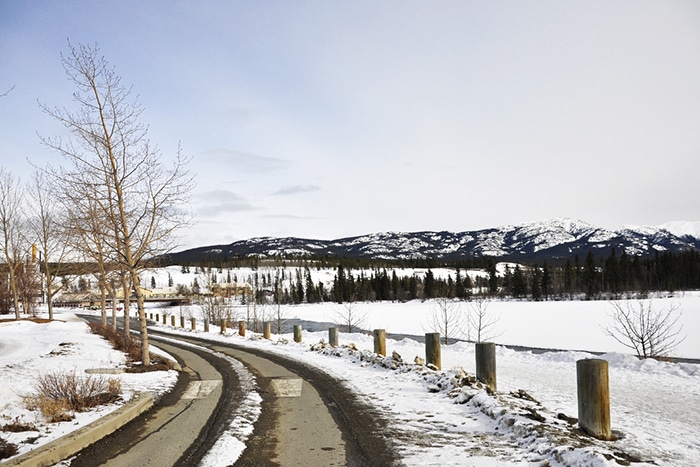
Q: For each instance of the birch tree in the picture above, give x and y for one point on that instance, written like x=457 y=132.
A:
x=139 y=198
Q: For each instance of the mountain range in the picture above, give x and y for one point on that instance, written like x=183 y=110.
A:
x=534 y=241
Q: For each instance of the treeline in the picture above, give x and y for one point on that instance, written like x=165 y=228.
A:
x=591 y=278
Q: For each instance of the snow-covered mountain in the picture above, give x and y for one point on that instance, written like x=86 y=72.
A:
x=548 y=239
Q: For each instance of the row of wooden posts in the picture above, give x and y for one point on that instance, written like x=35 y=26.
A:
x=591 y=374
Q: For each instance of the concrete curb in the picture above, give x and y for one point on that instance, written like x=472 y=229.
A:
x=68 y=445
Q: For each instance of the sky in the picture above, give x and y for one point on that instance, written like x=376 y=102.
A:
x=333 y=119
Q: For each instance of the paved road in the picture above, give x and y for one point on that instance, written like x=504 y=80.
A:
x=307 y=419
x=181 y=427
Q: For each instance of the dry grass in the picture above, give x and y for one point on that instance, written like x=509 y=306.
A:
x=17 y=426
x=59 y=394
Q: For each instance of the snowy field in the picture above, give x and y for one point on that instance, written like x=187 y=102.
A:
x=435 y=420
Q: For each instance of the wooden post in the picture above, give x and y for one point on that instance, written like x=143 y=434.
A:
x=172 y=320
x=333 y=337
x=157 y=318
x=241 y=328
x=223 y=326
x=151 y=316
x=380 y=342
x=182 y=321
x=206 y=325
x=267 y=327
x=432 y=349
x=594 y=398
x=193 y=321
x=297 y=333
x=486 y=364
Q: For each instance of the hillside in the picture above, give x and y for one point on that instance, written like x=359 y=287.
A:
x=535 y=241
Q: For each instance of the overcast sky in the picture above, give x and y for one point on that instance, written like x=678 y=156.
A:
x=331 y=119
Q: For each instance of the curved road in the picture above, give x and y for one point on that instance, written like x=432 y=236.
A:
x=182 y=426
x=307 y=418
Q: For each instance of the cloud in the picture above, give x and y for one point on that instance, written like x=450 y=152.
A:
x=293 y=190
x=243 y=161
x=218 y=202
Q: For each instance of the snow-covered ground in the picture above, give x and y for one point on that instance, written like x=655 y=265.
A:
x=29 y=349
x=655 y=406
x=435 y=419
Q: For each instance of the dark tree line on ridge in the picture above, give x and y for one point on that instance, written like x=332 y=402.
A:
x=593 y=277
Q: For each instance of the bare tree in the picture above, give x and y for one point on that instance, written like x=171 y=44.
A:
x=210 y=300
x=88 y=236
x=279 y=317
x=648 y=331
x=28 y=284
x=10 y=229
x=351 y=316
x=46 y=226
x=447 y=318
x=139 y=198
x=482 y=321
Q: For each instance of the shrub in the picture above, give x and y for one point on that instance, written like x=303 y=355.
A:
x=650 y=332
x=59 y=393
x=132 y=347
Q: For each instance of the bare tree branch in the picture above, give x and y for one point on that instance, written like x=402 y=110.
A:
x=649 y=332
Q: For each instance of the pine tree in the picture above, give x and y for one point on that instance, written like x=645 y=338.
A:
x=536 y=284
x=546 y=281
x=590 y=276
x=429 y=285
x=519 y=282
x=493 y=278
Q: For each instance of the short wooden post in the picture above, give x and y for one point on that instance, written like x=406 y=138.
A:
x=594 y=397
x=206 y=325
x=333 y=337
x=297 y=333
x=193 y=323
x=182 y=321
x=172 y=320
x=267 y=327
x=241 y=328
x=157 y=318
x=486 y=364
x=150 y=316
x=223 y=326
x=380 y=342
x=432 y=349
